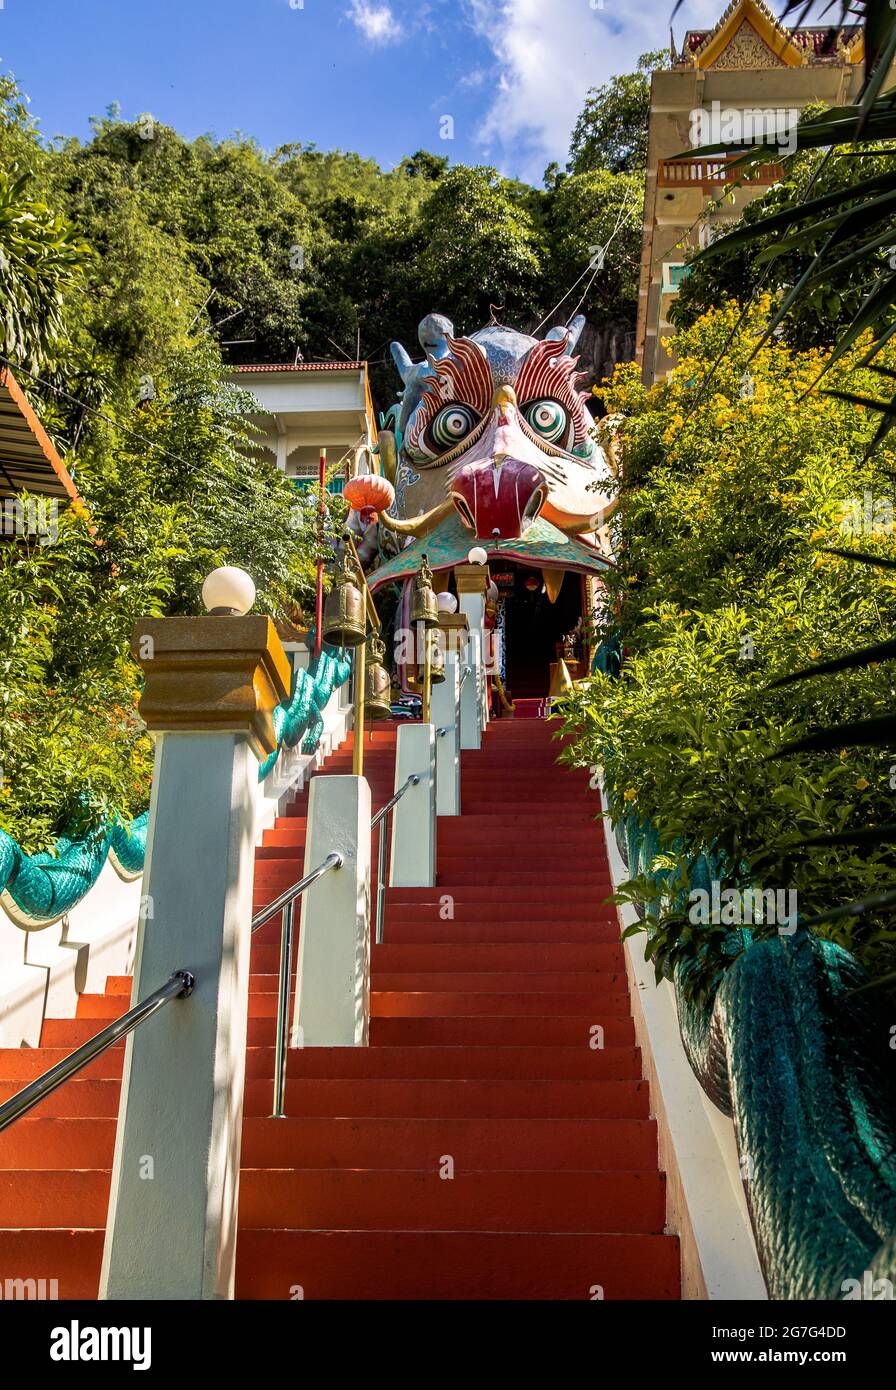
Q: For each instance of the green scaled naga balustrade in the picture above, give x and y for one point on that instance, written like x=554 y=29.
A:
x=41 y=888
x=801 y=1060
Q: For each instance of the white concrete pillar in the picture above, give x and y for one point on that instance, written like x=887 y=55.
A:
x=470 y=701
x=413 y=860
x=333 y=973
x=446 y=715
x=211 y=686
x=473 y=607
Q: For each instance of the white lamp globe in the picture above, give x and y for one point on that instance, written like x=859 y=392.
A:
x=228 y=590
x=447 y=603
x=477 y=556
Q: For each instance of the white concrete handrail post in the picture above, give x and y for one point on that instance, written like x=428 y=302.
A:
x=446 y=718
x=413 y=858
x=332 y=1006
x=472 y=582
x=211 y=687
x=470 y=685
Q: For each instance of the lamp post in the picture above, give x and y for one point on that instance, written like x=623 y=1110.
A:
x=425 y=614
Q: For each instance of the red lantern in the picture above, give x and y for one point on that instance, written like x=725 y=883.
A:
x=532 y=584
x=369 y=494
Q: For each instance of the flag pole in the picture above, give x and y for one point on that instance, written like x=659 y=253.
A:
x=319 y=618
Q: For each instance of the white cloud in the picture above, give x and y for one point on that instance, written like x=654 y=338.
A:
x=548 y=53
x=376 y=22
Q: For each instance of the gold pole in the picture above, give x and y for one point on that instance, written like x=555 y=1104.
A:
x=373 y=625
x=358 y=747
x=427 y=672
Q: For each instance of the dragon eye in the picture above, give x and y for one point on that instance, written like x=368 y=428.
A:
x=452 y=424
x=549 y=421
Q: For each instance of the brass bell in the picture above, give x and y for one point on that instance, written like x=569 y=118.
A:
x=436 y=659
x=344 y=622
x=377 y=685
x=424 y=607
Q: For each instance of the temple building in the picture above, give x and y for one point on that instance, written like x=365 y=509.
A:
x=308 y=406
x=749 y=75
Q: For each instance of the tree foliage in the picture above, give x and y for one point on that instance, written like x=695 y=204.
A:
x=749 y=258
x=203 y=254
x=40 y=258
x=611 y=132
x=726 y=580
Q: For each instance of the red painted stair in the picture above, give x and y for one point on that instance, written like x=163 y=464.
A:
x=480 y=1148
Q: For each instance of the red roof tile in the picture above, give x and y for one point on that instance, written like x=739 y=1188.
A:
x=298 y=367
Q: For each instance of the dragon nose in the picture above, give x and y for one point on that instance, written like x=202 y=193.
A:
x=504 y=396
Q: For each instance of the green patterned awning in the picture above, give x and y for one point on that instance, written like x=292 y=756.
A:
x=542 y=547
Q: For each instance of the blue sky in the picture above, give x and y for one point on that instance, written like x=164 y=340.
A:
x=377 y=76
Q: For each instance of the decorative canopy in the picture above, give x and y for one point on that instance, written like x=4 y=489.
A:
x=543 y=546
x=28 y=460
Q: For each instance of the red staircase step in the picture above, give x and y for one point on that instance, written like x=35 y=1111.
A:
x=71 y=1258
x=469 y=928
x=34 y=1198
x=483 y=956
x=482 y=1032
x=455 y=1265
x=479 y=1063
x=592 y=1005
x=472 y=1099
x=333 y=1199
x=471 y=982
x=376 y=1141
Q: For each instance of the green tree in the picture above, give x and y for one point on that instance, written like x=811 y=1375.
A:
x=611 y=132
x=594 y=220
x=480 y=248
x=41 y=256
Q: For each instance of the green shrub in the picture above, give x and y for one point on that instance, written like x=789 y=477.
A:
x=723 y=584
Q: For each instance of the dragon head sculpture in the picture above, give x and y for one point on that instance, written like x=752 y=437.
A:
x=495 y=427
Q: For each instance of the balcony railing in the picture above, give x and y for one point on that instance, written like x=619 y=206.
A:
x=713 y=171
x=334 y=484
x=674 y=275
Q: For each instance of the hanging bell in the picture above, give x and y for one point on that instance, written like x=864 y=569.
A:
x=344 y=622
x=436 y=659
x=424 y=606
x=377 y=686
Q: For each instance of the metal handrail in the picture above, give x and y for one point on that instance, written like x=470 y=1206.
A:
x=445 y=729
x=467 y=671
x=286 y=906
x=180 y=985
x=380 y=820
x=384 y=810
x=332 y=861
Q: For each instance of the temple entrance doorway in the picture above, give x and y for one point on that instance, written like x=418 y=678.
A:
x=535 y=633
